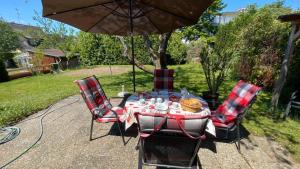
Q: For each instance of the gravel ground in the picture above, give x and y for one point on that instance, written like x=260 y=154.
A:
x=65 y=144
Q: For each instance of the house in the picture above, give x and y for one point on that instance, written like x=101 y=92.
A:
x=226 y=17
x=44 y=60
x=26 y=55
x=27 y=42
x=48 y=59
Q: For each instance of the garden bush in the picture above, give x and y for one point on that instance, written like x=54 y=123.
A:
x=3 y=73
x=260 y=42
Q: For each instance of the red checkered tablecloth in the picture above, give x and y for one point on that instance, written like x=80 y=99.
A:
x=135 y=105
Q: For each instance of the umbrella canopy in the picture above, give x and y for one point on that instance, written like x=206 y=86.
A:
x=126 y=17
x=112 y=16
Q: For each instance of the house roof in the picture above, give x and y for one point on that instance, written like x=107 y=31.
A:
x=24 y=40
x=295 y=17
x=22 y=27
x=50 y=52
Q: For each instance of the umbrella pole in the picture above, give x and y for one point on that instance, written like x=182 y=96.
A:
x=132 y=42
x=133 y=65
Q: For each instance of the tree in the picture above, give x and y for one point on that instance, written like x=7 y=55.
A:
x=177 y=49
x=9 y=41
x=205 y=27
x=259 y=41
x=98 y=49
x=55 y=35
x=157 y=45
x=216 y=58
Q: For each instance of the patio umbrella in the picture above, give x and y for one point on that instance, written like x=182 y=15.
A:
x=126 y=17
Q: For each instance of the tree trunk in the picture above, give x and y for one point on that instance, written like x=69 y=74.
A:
x=295 y=34
x=127 y=54
x=159 y=58
x=153 y=53
x=162 y=49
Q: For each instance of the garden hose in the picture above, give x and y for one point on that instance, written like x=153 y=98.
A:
x=8 y=133
x=43 y=115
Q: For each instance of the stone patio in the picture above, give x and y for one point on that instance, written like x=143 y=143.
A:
x=65 y=144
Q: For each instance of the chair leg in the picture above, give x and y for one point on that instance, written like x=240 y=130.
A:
x=121 y=132
x=91 y=130
x=196 y=163
x=140 y=162
x=238 y=137
x=138 y=144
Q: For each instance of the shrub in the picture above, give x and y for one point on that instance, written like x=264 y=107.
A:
x=3 y=73
x=260 y=43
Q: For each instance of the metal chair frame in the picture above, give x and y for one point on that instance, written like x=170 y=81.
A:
x=193 y=164
x=237 y=123
x=293 y=104
x=140 y=146
x=94 y=118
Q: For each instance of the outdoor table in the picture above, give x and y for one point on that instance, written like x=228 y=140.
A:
x=144 y=103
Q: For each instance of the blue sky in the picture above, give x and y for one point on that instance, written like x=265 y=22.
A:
x=22 y=11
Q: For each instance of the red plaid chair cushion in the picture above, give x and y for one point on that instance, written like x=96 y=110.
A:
x=163 y=79
x=97 y=101
x=238 y=100
x=112 y=116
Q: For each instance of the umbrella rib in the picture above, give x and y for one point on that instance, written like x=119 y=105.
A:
x=141 y=11
x=138 y=13
x=124 y=10
x=101 y=19
x=168 y=12
x=154 y=25
x=75 y=9
x=115 y=12
x=151 y=22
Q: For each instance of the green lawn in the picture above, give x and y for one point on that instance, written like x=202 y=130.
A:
x=22 y=97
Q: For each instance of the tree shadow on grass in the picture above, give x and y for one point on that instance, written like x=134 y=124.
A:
x=189 y=78
x=114 y=83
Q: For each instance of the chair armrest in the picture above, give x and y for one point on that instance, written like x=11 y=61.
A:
x=124 y=99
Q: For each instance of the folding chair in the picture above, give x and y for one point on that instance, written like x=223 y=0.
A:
x=98 y=104
x=293 y=104
x=229 y=115
x=170 y=141
x=163 y=79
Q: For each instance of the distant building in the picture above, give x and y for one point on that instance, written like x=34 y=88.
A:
x=26 y=43
x=52 y=57
x=27 y=52
x=226 y=17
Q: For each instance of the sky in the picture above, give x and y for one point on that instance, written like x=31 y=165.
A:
x=22 y=11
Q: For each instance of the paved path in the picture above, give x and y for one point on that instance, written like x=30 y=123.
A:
x=65 y=144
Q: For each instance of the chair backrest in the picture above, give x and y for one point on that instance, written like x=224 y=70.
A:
x=170 y=140
x=239 y=99
x=94 y=95
x=163 y=79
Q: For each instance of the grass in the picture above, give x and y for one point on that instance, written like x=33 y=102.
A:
x=22 y=97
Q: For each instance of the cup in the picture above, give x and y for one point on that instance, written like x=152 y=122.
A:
x=175 y=105
x=142 y=101
x=159 y=100
x=152 y=100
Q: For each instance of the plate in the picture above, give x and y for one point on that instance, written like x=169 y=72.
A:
x=175 y=106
